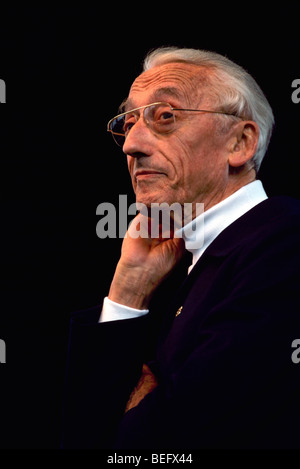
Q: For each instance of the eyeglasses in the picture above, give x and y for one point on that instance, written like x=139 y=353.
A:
x=159 y=117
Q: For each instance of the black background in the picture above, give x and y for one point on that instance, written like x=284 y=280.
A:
x=66 y=70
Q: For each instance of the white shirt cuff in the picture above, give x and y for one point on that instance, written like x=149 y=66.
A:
x=112 y=311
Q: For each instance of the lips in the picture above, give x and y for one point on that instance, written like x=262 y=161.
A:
x=146 y=172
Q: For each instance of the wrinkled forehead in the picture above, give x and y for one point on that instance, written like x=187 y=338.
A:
x=181 y=84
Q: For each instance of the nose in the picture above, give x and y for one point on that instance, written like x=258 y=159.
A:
x=137 y=140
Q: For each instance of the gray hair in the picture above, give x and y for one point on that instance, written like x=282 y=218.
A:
x=233 y=88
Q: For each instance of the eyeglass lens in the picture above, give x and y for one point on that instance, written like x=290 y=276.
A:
x=159 y=117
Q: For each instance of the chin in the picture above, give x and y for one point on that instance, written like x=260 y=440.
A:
x=153 y=198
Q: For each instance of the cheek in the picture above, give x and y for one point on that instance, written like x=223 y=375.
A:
x=130 y=165
x=181 y=169
x=198 y=161
x=203 y=145
x=186 y=157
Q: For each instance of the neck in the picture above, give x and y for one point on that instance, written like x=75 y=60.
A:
x=236 y=180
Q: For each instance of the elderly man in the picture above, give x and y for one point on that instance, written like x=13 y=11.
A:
x=198 y=358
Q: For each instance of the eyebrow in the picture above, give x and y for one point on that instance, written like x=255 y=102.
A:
x=159 y=94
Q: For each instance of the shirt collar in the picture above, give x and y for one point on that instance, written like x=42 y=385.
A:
x=201 y=232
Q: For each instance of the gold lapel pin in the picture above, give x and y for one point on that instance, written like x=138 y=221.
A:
x=178 y=311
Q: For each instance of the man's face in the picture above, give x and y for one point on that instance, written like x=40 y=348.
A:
x=189 y=164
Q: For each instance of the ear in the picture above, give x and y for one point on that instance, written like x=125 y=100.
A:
x=245 y=143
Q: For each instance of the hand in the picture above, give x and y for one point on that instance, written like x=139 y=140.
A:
x=146 y=384
x=144 y=264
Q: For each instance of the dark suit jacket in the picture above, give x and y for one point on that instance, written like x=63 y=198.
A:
x=226 y=378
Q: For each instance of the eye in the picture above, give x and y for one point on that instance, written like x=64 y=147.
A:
x=167 y=115
x=128 y=124
x=127 y=127
x=162 y=116
x=163 y=119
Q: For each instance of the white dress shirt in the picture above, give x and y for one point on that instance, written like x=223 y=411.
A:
x=212 y=221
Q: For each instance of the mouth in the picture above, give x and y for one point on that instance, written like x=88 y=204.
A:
x=147 y=173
